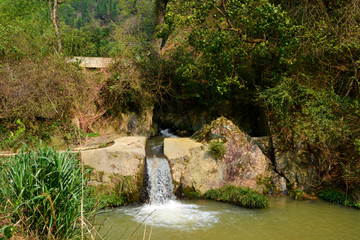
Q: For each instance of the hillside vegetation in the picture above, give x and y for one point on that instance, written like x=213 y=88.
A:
x=298 y=61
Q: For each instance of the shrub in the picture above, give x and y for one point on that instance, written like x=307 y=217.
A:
x=245 y=197
x=42 y=190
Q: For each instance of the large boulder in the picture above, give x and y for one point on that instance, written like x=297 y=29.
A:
x=297 y=167
x=126 y=157
x=194 y=166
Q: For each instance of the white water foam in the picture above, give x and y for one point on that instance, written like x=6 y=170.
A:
x=174 y=214
x=167 y=133
x=160 y=186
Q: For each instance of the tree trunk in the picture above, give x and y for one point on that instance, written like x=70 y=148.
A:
x=54 y=15
x=160 y=19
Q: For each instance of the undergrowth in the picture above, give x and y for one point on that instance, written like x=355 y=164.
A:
x=121 y=190
x=244 y=197
x=336 y=197
x=42 y=193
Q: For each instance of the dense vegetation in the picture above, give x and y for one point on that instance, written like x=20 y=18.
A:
x=245 y=197
x=44 y=192
x=297 y=60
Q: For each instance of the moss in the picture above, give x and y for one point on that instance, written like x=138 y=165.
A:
x=296 y=193
x=190 y=192
x=122 y=190
x=245 y=197
x=266 y=182
x=217 y=149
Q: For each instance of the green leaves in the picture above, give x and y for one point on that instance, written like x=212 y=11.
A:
x=44 y=188
x=235 y=45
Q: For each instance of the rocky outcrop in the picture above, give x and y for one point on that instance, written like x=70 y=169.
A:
x=194 y=166
x=297 y=167
x=129 y=124
x=126 y=157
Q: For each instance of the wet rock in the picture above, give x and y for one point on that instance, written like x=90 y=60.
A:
x=279 y=184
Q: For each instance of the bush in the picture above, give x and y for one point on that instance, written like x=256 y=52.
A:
x=244 y=197
x=42 y=190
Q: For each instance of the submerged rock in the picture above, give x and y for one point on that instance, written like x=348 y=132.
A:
x=194 y=166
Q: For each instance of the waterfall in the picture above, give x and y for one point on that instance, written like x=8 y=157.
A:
x=159 y=187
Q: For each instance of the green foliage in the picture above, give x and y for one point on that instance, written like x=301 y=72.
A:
x=217 y=149
x=265 y=181
x=193 y=194
x=13 y=139
x=42 y=191
x=244 y=197
x=296 y=193
x=336 y=197
x=230 y=43
x=301 y=69
x=122 y=190
x=86 y=42
x=190 y=192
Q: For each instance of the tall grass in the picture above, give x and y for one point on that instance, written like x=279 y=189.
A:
x=245 y=197
x=42 y=191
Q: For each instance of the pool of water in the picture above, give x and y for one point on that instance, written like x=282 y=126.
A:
x=205 y=219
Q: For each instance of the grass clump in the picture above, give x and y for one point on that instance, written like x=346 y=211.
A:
x=42 y=191
x=245 y=197
x=336 y=197
x=217 y=149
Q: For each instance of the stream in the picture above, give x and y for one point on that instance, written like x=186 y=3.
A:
x=167 y=218
x=206 y=219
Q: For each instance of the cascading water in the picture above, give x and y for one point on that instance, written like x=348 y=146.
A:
x=160 y=188
x=203 y=219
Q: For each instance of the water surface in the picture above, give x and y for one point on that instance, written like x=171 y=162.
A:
x=205 y=219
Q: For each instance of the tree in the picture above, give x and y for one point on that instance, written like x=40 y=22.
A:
x=54 y=16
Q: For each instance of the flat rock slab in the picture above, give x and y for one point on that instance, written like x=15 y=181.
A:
x=179 y=148
x=125 y=157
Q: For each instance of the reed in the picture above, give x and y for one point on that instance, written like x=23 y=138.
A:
x=245 y=197
x=42 y=191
